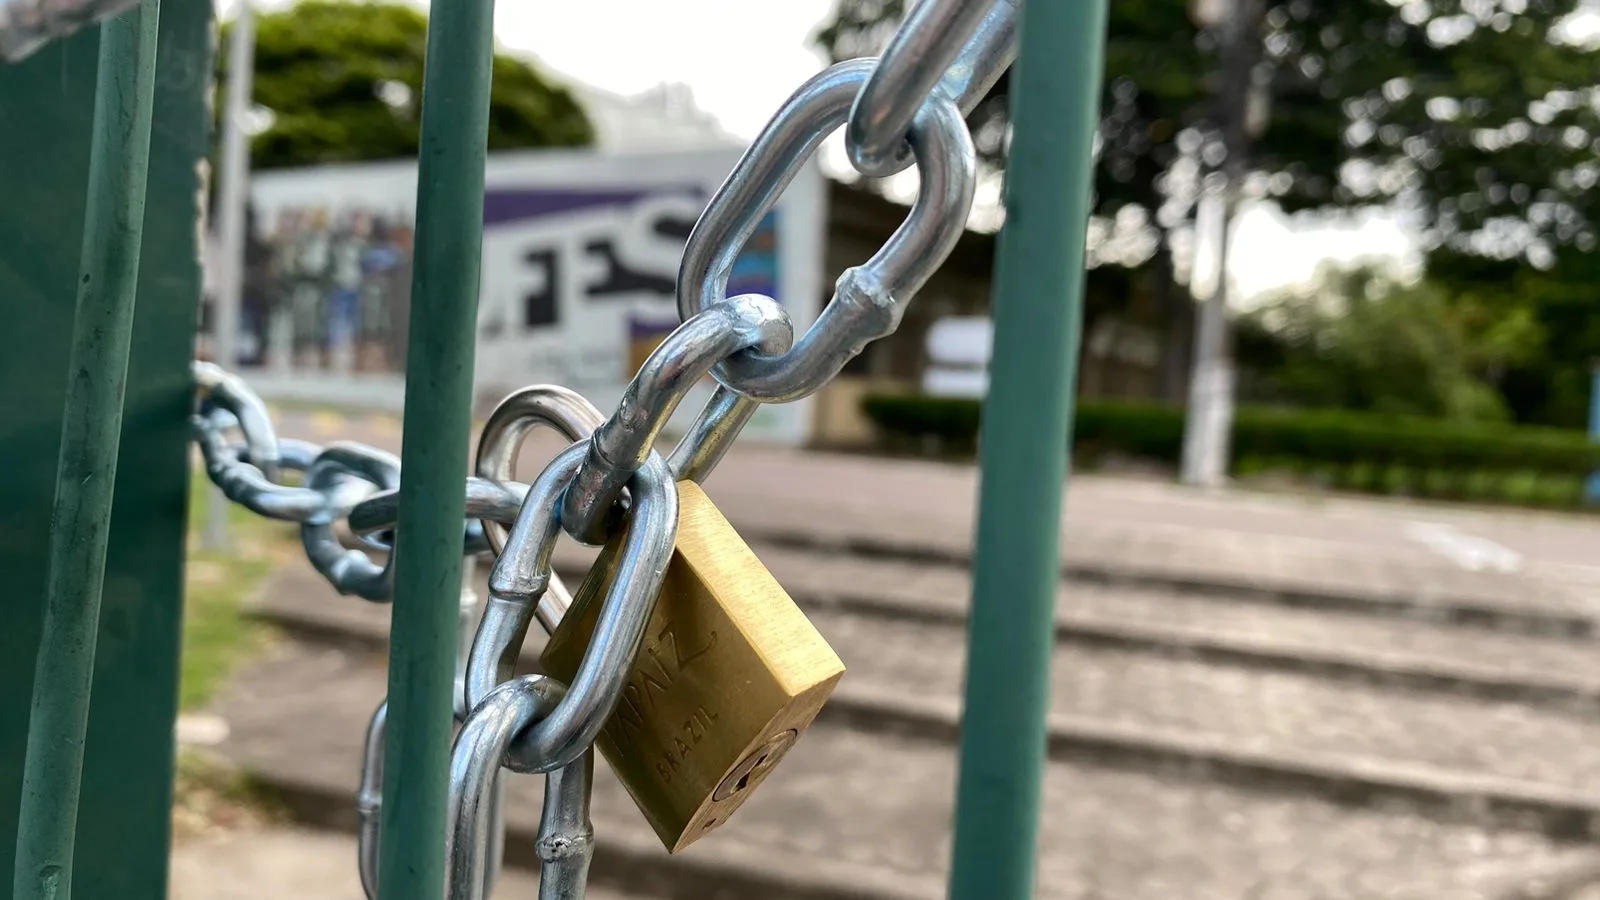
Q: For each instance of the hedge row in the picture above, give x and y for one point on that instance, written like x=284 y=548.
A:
x=1363 y=451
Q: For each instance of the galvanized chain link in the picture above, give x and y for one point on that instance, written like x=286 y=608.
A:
x=869 y=299
x=341 y=481
x=955 y=49
x=369 y=796
x=612 y=482
x=558 y=408
x=624 y=441
x=566 y=837
x=519 y=579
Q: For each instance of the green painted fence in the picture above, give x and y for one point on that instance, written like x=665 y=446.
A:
x=113 y=841
x=47 y=103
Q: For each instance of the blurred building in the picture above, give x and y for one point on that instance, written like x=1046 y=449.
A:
x=1124 y=336
x=665 y=117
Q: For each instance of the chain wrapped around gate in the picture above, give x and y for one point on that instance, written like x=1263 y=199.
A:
x=679 y=656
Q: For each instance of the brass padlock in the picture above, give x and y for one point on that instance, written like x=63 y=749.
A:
x=729 y=674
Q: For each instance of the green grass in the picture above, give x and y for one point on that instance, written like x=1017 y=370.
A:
x=210 y=794
x=217 y=634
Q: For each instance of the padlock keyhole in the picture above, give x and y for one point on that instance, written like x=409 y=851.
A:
x=744 y=781
x=756 y=763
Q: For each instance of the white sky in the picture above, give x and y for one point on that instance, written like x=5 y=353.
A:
x=742 y=58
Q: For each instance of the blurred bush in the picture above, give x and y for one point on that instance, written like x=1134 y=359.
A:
x=1373 y=452
x=1358 y=340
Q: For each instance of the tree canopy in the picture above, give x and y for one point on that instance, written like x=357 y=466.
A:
x=342 y=82
x=1470 y=112
x=1479 y=120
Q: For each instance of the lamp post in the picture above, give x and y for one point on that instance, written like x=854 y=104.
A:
x=1241 y=113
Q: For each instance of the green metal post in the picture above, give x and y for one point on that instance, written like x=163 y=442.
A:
x=87 y=463
x=125 y=802
x=1025 y=437
x=438 y=407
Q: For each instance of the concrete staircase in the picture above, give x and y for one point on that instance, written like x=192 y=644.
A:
x=1207 y=738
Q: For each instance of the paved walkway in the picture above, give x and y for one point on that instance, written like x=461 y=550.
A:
x=866 y=815
x=1371 y=523
x=875 y=803
x=1124 y=526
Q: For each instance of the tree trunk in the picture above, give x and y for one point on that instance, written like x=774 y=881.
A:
x=1177 y=309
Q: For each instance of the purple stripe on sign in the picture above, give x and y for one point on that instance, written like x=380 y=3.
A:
x=501 y=206
x=643 y=329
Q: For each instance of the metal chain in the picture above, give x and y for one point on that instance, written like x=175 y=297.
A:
x=566 y=838
x=955 y=49
x=868 y=300
x=519 y=579
x=344 y=480
x=621 y=445
x=369 y=797
x=612 y=481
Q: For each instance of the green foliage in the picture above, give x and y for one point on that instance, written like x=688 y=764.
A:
x=218 y=634
x=952 y=424
x=1358 y=341
x=1473 y=112
x=1154 y=88
x=1479 y=115
x=1480 y=120
x=1549 y=383
x=1358 y=451
x=343 y=82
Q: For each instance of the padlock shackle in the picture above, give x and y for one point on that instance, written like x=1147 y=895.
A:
x=565 y=411
x=711 y=434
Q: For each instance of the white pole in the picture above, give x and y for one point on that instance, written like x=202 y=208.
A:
x=232 y=190
x=1209 y=422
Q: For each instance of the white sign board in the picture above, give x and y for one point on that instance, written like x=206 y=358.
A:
x=580 y=261
x=958 y=357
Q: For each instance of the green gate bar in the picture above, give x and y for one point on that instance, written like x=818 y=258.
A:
x=1025 y=439
x=86 y=467
x=438 y=415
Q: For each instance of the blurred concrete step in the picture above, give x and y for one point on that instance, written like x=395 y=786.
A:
x=1211 y=565
x=1453 y=757
x=1215 y=564
x=911 y=512
x=1527 y=659
x=1416 y=650
x=860 y=815
x=1264 y=567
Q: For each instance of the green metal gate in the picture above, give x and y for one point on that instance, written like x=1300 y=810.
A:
x=73 y=211
x=47 y=105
